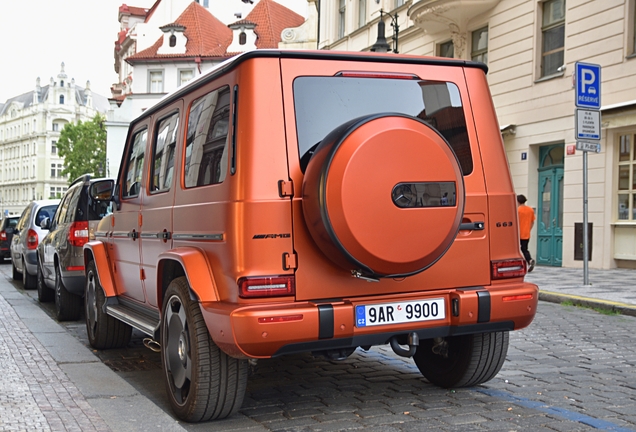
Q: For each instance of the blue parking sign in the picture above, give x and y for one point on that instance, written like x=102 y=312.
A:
x=588 y=85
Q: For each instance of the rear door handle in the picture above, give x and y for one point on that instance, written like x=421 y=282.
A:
x=472 y=226
x=133 y=234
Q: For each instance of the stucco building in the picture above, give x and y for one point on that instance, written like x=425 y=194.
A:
x=30 y=126
x=530 y=47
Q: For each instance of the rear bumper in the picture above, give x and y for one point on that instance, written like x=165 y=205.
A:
x=313 y=326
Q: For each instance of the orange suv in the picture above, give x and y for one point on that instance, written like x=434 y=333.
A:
x=318 y=202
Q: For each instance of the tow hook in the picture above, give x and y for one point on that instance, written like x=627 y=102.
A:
x=413 y=342
x=440 y=347
x=152 y=344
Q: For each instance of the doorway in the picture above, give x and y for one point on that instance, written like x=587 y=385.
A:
x=550 y=206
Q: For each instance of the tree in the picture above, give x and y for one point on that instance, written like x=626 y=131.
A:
x=83 y=147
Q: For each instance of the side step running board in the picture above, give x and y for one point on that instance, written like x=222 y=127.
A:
x=136 y=319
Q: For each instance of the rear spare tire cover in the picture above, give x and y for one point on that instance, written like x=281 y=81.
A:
x=351 y=189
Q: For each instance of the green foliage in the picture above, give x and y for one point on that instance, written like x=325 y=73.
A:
x=83 y=147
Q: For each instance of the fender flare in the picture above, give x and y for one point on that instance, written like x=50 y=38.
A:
x=97 y=250
x=197 y=270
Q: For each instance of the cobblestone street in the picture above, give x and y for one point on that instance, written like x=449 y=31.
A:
x=571 y=370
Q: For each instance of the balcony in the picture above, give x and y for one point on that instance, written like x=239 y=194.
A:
x=434 y=16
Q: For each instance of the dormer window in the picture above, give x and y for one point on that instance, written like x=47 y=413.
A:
x=61 y=99
x=173 y=40
x=62 y=83
x=242 y=38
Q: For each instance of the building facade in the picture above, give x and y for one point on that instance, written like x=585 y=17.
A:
x=30 y=126
x=175 y=41
x=530 y=47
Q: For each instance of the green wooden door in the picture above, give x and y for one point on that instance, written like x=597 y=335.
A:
x=550 y=207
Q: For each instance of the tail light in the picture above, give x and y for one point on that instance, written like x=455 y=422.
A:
x=3 y=235
x=508 y=268
x=271 y=286
x=78 y=234
x=32 y=239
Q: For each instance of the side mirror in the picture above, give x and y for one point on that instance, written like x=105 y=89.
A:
x=45 y=223
x=102 y=190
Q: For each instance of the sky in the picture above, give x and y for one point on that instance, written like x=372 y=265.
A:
x=41 y=34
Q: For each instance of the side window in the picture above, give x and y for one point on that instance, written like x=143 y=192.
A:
x=45 y=212
x=206 y=143
x=26 y=215
x=61 y=214
x=163 y=154
x=135 y=164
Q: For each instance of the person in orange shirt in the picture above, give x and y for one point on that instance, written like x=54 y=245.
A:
x=526 y=221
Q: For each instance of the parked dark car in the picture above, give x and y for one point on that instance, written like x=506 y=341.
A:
x=60 y=255
x=26 y=237
x=6 y=234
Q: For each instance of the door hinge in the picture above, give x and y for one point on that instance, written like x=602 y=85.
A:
x=285 y=188
x=289 y=261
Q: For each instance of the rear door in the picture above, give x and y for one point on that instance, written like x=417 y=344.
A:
x=158 y=196
x=320 y=96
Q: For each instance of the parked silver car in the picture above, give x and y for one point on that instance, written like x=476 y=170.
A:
x=60 y=255
x=27 y=234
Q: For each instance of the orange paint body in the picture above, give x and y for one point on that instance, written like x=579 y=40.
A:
x=391 y=198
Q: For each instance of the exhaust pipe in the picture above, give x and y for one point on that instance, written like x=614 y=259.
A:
x=413 y=342
x=152 y=344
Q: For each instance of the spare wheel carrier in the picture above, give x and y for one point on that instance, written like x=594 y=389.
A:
x=348 y=203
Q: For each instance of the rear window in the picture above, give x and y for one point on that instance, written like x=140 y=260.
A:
x=324 y=103
x=45 y=212
x=11 y=222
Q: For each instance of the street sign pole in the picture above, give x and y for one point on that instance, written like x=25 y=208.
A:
x=587 y=124
x=586 y=277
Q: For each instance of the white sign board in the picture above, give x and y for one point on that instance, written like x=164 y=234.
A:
x=588 y=124
x=588 y=146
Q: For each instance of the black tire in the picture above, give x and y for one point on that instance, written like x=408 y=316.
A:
x=16 y=274
x=28 y=280
x=68 y=307
x=471 y=359
x=104 y=331
x=203 y=383
x=45 y=294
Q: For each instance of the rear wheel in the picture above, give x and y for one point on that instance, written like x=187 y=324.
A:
x=203 y=382
x=462 y=361
x=104 y=331
x=68 y=307
x=45 y=294
x=28 y=280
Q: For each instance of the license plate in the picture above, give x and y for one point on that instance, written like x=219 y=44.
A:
x=400 y=312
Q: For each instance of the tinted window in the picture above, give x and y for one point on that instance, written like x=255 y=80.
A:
x=206 y=142
x=324 y=103
x=45 y=212
x=163 y=154
x=135 y=164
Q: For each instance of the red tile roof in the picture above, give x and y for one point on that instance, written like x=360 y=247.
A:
x=271 y=19
x=133 y=10
x=207 y=36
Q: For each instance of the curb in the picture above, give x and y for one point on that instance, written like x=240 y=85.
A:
x=622 y=308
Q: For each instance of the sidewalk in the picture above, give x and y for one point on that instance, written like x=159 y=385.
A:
x=608 y=289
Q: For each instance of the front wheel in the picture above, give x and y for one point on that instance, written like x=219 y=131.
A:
x=68 y=307
x=462 y=361
x=104 y=331
x=203 y=383
x=45 y=294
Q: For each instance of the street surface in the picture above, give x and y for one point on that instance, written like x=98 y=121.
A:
x=571 y=370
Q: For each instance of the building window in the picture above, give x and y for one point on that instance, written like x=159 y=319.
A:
x=53 y=147
x=399 y=3
x=173 y=41
x=56 y=127
x=626 y=178
x=479 y=50
x=342 y=12
x=553 y=37
x=362 y=13
x=53 y=171
x=242 y=38
x=185 y=76
x=62 y=83
x=447 y=49
x=61 y=99
x=156 y=82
